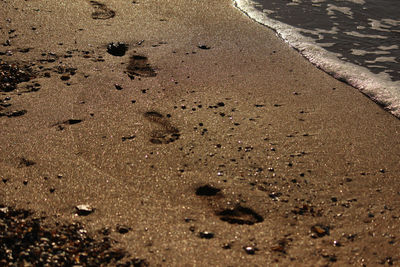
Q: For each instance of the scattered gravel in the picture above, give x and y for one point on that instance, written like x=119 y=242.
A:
x=25 y=241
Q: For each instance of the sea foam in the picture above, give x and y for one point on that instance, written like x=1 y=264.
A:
x=379 y=87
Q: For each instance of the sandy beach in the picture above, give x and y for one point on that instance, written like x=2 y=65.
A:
x=210 y=140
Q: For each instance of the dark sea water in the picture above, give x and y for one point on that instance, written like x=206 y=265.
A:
x=357 y=41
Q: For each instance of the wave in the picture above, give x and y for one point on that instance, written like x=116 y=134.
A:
x=379 y=87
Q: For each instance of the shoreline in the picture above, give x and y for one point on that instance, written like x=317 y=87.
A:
x=382 y=90
x=231 y=132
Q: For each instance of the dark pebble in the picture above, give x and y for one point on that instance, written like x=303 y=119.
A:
x=337 y=243
x=65 y=77
x=118 y=87
x=124 y=138
x=226 y=246
x=188 y=220
x=320 y=230
x=203 y=46
x=105 y=231
x=117 y=49
x=275 y=195
x=73 y=121
x=206 y=235
x=83 y=210
x=250 y=250
x=207 y=190
x=122 y=229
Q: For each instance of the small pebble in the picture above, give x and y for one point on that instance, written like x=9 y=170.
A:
x=320 y=230
x=122 y=229
x=206 y=235
x=117 y=49
x=84 y=210
x=250 y=250
x=203 y=46
x=65 y=77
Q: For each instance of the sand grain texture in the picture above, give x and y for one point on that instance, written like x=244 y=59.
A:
x=301 y=169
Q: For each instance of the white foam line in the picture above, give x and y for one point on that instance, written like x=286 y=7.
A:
x=378 y=87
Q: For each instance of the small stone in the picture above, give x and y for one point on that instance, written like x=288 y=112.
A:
x=188 y=220
x=123 y=229
x=250 y=250
x=4 y=210
x=337 y=243
x=124 y=138
x=206 y=235
x=105 y=231
x=117 y=49
x=118 y=87
x=275 y=195
x=203 y=46
x=84 y=210
x=320 y=230
x=207 y=190
x=226 y=246
x=65 y=77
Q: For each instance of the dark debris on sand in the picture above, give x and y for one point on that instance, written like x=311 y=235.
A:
x=25 y=241
x=12 y=74
x=117 y=49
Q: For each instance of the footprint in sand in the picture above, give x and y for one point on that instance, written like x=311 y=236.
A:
x=166 y=133
x=101 y=11
x=240 y=215
x=61 y=125
x=139 y=66
x=233 y=215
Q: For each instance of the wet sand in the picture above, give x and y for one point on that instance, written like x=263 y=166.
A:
x=210 y=140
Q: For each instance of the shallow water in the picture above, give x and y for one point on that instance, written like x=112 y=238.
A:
x=354 y=40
